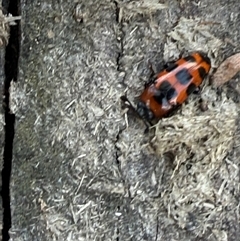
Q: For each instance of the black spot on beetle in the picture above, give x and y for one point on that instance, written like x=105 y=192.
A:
x=183 y=76
x=190 y=59
x=172 y=93
x=165 y=92
x=191 y=88
x=171 y=66
x=205 y=58
x=202 y=72
x=165 y=86
x=159 y=97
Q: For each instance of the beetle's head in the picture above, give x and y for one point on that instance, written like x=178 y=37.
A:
x=144 y=111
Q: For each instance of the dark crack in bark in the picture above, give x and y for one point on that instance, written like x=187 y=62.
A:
x=11 y=74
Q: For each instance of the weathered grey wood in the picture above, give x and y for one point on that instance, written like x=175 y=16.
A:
x=2 y=122
x=77 y=173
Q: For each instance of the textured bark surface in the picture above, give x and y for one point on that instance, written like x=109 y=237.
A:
x=79 y=171
x=2 y=122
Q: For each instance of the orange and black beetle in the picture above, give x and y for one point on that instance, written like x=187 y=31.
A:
x=172 y=86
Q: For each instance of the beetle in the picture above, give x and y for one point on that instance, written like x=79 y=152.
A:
x=172 y=86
